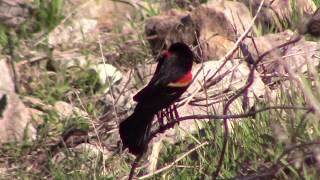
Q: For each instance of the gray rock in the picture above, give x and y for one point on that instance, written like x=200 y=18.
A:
x=13 y=12
x=66 y=110
x=230 y=78
x=70 y=59
x=163 y=30
x=219 y=24
x=279 y=13
x=297 y=55
x=83 y=22
x=108 y=75
x=211 y=28
x=15 y=120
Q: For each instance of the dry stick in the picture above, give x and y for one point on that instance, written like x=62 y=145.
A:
x=314 y=75
x=291 y=148
x=174 y=162
x=237 y=116
x=124 y=87
x=137 y=159
x=225 y=117
x=217 y=117
x=290 y=55
x=225 y=121
x=84 y=108
x=296 y=39
x=250 y=81
x=93 y=125
x=186 y=101
x=33 y=60
x=270 y=173
x=305 y=90
x=204 y=76
x=134 y=166
x=90 y=119
x=221 y=76
x=109 y=82
x=229 y=53
x=226 y=108
x=239 y=41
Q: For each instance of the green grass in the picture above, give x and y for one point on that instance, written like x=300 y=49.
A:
x=257 y=146
x=48 y=14
x=56 y=85
x=254 y=147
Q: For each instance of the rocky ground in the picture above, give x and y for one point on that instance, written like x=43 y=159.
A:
x=69 y=70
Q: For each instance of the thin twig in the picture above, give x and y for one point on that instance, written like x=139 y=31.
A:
x=174 y=162
x=225 y=59
x=310 y=97
x=109 y=82
x=134 y=166
x=249 y=83
x=226 y=107
x=33 y=60
x=90 y=118
x=124 y=87
x=218 y=117
x=291 y=148
x=271 y=172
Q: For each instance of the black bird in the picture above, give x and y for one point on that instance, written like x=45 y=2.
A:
x=170 y=80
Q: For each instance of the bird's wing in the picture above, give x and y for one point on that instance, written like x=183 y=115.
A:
x=164 y=75
x=144 y=90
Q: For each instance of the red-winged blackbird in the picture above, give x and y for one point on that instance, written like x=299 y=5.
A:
x=171 y=78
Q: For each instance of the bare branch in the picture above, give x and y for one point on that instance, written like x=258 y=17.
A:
x=219 y=117
x=174 y=162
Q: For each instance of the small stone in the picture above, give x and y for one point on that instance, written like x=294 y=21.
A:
x=66 y=110
x=15 y=119
x=108 y=75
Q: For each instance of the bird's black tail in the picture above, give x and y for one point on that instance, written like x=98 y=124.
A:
x=134 y=131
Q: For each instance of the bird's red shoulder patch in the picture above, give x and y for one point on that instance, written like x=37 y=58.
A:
x=182 y=82
x=167 y=54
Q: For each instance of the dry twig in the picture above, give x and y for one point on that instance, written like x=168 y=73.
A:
x=174 y=162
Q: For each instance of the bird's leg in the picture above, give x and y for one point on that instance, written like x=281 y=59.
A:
x=171 y=113
x=160 y=118
x=176 y=114
x=167 y=110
